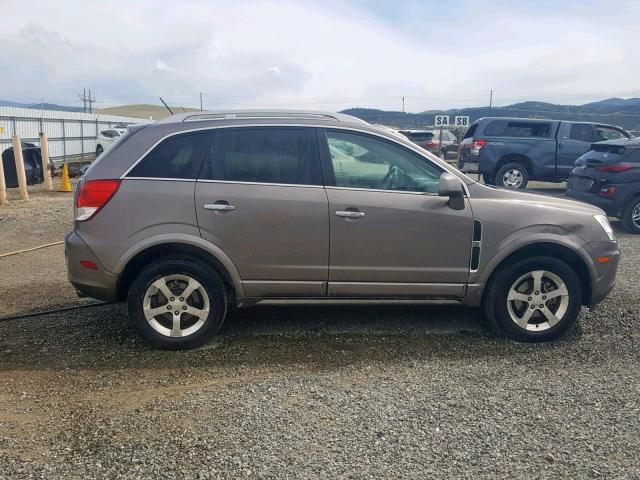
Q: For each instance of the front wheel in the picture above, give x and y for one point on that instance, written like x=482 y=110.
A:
x=534 y=300
x=512 y=175
x=177 y=303
x=631 y=216
x=99 y=150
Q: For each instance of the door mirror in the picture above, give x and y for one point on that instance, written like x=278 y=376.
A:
x=451 y=186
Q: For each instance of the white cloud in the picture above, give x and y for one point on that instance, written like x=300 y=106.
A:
x=317 y=54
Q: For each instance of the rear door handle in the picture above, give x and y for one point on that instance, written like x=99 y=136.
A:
x=222 y=207
x=349 y=214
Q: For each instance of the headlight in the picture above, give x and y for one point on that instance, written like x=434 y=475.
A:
x=606 y=226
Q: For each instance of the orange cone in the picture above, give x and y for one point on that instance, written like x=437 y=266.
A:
x=65 y=184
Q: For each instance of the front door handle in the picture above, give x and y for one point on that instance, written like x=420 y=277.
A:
x=219 y=206
x=349 y=214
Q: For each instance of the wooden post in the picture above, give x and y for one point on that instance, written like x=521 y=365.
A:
x=3 y=186
x=44 y=151
x=22 y=177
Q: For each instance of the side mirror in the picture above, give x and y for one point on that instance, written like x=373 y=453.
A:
x=451 y=186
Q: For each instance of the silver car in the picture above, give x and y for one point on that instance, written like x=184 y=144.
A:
x=204 y=211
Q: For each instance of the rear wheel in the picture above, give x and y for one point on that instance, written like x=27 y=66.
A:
x=534 y=300
x=512 y=175
x=177 y=303
x=631 y=216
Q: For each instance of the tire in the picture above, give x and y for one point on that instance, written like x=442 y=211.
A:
x=518 y=173
x=502 y=312
x=630 y=211
x=99 y=150
x=488 y=180
x=205 y=307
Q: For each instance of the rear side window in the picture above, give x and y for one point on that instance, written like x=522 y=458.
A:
x=179 y=156
x=527 y=129
x=494 y=128
x=265 y=155
x=581 y=131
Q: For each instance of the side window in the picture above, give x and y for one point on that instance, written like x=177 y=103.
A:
x=527 y=129
x=179 y=156
x=363 y=161
x=608 y=133
x=265 y=155
x=494 y=128
x=581 y=131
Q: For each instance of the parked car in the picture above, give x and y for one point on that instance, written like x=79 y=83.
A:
x=608 y=176
x=418 y=136
x=200 y=212
x=447 y=148
x=107 y=138
x=509 y=152
x=32 y=165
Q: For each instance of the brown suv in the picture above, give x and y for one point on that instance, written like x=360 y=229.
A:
x=201 y=211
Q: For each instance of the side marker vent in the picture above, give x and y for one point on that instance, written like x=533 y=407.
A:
x=476 y=246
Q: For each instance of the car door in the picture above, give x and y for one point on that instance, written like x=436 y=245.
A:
x=390 y=232
x=260 y=199
x=574 y=140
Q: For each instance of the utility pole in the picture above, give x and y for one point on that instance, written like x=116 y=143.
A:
x=402 y=104
x=87 y=99
x=491 y=99
x=200 y=100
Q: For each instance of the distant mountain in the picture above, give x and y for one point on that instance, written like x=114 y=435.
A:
x=615 y=111
x=43 y=106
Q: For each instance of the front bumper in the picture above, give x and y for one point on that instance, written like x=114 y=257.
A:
x=97 y=283
x=605 y=273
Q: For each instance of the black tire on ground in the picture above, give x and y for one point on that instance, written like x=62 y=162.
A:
x=495 y=298
x=512 y=167
x=99 y=150
x=627 y=216
x=488 y=179
x=178 y=265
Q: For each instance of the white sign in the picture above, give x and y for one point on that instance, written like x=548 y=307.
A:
x=442 y=120
x=461 y=121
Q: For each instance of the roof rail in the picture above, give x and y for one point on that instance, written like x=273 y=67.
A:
x=255 y=115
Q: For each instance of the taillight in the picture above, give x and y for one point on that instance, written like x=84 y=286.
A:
x=430 y=144
x=477 y=145
x=614 y=168
x=94 y=195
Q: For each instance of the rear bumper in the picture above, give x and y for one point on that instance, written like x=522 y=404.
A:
x=97 y=283
x=606 y=204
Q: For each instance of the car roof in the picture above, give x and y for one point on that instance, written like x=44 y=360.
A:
x=230 y=115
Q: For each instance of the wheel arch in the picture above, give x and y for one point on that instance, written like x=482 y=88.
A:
x=514 y=158
x=129 y=266
x=555 y=249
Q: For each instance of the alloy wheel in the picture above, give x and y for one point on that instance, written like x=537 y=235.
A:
x=176 y=305
x=538 y=300
x=513 y=178
x=635 y=215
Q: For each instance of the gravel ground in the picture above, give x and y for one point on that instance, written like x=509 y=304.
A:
x=330 y=391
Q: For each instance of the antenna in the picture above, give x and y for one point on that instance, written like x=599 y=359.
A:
x=165 y=104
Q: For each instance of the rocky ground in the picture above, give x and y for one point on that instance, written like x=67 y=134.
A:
x=330 y=391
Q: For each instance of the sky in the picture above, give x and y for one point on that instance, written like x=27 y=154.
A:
x=321 y=55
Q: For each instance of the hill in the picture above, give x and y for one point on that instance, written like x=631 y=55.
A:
x=615 y=111
x=145 y=111
x=43 y=106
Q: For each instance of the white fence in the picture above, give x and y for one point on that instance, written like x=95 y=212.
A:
x=70 y=134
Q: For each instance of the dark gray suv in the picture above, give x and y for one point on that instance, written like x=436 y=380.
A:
x=200 y=212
